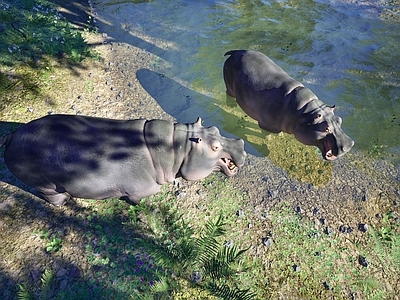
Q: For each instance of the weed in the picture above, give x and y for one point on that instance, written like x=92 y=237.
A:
x=52 y=245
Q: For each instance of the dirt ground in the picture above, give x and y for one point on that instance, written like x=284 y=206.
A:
x=356 y=191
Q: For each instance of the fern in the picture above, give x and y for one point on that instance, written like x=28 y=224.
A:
x=183 y=255
x=225 y=292
x=47 y=280
x=24 y=293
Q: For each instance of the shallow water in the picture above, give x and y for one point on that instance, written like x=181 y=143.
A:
x=347 y=52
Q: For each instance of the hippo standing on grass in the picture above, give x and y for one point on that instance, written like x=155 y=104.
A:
x=279 y=103
x=86 y=157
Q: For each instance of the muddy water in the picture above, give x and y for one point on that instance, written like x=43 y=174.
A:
x=347 y=52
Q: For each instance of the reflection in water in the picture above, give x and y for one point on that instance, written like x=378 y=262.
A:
x=346 y=53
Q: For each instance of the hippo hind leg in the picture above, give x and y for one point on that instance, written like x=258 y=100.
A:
x=54 y=197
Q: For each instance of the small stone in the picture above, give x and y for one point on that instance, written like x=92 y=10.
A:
x=318 y=253
x=271 y=193
x=343 y=229
x=326 y=286
x=63 y=284
x=350 y=229
x=322 y=221
x=180 y=194
x=30 y=109
x=363 y=227
x=298 y=210
x=249 y=225
x=228 y=244
x=379 y=216
x=267 y=242
x=328 y=231
x=296 y=268
x=61 y=272
x=364 y=198
x=240 y=213
x=316 y=211
x=196 y=276
x=363 y=261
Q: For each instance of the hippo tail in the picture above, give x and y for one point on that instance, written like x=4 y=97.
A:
x=5 y=140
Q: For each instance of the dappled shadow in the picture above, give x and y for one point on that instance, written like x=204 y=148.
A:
x=85 y=235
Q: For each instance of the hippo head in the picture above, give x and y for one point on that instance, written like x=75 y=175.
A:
x=209 y=151
x=322 y=129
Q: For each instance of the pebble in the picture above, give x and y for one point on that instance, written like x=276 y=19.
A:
x=240 y=213
x=362 y=260
x=363 y=227
x=326 y=286
x=267 y=242
x=61 y=272
x=228 y=244
x=316 y=211
x=180 y=194
x=298 y=210
x=328 y=231
x=196 y=277
x=296 y=268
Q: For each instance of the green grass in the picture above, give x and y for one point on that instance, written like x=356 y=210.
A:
x=36 y=42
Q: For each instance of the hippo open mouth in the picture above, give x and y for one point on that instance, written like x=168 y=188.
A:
x=228 y=166
x=329 y=147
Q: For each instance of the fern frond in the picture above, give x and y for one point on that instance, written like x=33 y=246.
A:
x=24 y=293
x=227 y=293
x=47 y=280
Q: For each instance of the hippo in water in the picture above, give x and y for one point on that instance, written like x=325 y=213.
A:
x=280 y=103
x=65 y=156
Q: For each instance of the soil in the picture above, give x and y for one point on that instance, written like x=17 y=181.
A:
x=357 y=190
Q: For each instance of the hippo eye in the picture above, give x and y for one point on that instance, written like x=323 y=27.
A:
x=317 y=116
x=327 y=130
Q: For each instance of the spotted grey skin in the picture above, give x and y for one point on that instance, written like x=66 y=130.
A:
x=65 y=156
x=280 y=103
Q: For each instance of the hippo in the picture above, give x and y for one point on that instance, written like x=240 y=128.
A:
x=64 y=156
x=279 y=103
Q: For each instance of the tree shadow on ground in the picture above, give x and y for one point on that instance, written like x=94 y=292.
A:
x=185 y=105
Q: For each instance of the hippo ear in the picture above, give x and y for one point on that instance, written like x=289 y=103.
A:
x=198 y=122
x=332 y=107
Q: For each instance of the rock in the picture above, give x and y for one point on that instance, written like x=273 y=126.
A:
x=363 y=261
x=326 y=286
x=363 y=227
x=316 y=211
x=240 y=213
x=267 y=242
x=328 y=231
x=63 y=284
x=61 y=272
x=296 y=268
x=298 y=210
x=196 y=277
